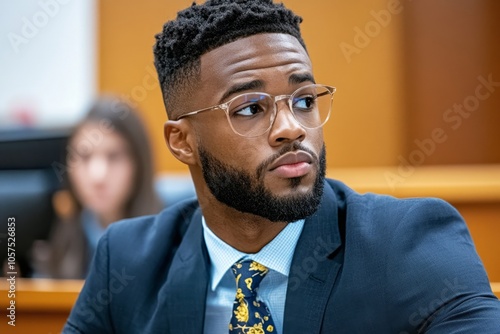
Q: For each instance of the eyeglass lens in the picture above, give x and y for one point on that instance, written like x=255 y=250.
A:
x=251 y=114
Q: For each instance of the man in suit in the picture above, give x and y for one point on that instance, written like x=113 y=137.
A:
x=270 y=245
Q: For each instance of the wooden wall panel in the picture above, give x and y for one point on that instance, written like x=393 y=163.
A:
x=452 y=51
x=366 y=125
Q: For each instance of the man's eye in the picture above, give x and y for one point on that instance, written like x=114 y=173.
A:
x=306 y=102
x=249 y=110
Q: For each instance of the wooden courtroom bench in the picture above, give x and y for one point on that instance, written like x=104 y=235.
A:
x=42 y=305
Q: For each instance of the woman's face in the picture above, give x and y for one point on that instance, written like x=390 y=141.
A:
x=101 y=170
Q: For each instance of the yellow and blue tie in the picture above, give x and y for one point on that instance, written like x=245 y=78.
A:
x=250 y=316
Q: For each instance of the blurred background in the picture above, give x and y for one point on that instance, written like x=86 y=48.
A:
x=398 y=65
x=416 y=112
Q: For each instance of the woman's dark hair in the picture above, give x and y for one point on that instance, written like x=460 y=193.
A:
x=113 y=114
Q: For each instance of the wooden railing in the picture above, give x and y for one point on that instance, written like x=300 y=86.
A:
x=456 y=184
x=496 y=288
x=41 y=305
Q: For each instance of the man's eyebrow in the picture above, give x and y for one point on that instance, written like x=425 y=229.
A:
x=298 y=78
x=293 y=79
x=241 y=87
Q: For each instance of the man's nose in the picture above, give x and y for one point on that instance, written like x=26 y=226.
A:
x=285 y=127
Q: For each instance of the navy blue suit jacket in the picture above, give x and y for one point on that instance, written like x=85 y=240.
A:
x=363 y=264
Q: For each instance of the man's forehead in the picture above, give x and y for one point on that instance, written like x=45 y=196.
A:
x=251 y=57
x=254 y=46
x=269 y=57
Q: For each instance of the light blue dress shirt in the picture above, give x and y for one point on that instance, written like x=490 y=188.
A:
x=276 y=256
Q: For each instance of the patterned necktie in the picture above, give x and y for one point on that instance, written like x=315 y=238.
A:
x=250 y=316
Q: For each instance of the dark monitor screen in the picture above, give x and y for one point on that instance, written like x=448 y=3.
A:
x=28 y=180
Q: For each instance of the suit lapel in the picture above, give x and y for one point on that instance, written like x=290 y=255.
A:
x=314 y=268
x=186 y=287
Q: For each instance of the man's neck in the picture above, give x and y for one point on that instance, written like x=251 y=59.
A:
x=245 y=232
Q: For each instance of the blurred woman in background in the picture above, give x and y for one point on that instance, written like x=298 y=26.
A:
x=109 y=177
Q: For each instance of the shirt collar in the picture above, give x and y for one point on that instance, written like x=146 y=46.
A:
x=276 y=255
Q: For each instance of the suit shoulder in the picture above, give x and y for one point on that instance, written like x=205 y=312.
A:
x=383 y=205
x=151 y=236
x=381 y=215
x=172 y=218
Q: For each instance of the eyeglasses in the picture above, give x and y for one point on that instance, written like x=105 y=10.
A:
x=253 y=114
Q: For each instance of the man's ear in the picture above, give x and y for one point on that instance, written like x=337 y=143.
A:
x=180 y=141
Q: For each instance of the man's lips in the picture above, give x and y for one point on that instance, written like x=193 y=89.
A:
x=291 y=158
x=292 y=164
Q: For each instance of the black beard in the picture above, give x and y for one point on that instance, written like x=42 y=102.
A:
x=246 y=193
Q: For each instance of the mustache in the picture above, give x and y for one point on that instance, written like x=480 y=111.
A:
x=295 y=146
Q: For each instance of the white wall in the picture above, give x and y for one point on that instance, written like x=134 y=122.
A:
x=48 y=69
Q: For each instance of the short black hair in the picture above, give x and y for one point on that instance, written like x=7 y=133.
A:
x=202 y=28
